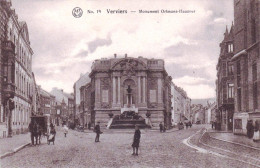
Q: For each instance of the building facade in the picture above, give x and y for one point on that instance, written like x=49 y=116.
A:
x=78 y=111
x=246 y=62
x=181 y=104
x=16 y=72
x=67 y=99
x=225 y=81
x=120 y=85
x=198 y=114
x=35 y=98
x=47 y=104
x=210 y=113
x=238 y=90
x=5 y=12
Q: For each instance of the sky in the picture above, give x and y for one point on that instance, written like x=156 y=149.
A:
x=65 y=46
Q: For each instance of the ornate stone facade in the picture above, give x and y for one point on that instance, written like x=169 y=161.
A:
x=16 y=77
x=225 y=82
x=130 y=84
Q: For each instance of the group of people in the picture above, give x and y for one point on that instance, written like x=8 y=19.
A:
x=136 y=140
x=34 y=127
x=253 y=129
x=36 y=133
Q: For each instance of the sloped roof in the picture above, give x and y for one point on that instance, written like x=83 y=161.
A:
x=44 y=93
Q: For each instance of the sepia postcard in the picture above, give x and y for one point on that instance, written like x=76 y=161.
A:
x=140 y=83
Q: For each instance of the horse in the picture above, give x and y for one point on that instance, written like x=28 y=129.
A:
x=37 y=132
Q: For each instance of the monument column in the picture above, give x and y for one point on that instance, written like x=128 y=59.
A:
x=144 y=89
x=97 y=92
x=114 y=90
x=159 y=90
x=118 y=96
x=139 y=89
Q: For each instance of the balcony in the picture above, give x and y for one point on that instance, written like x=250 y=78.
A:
x=8 y=46
x=9 y=90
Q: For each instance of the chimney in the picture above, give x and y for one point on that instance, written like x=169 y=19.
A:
x=114 y=55
x=125 y=55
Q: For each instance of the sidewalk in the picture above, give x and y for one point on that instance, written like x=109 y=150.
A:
x=9 y=146
x=231 y=138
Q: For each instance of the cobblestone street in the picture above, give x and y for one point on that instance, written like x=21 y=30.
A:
x=114 y=150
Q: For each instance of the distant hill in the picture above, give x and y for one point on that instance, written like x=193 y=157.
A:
x=202 y=101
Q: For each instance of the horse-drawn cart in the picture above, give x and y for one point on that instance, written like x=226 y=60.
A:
x=42 y=126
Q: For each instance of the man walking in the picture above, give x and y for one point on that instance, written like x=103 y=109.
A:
x=136 y=141
x=31 y=131
x=98 y=132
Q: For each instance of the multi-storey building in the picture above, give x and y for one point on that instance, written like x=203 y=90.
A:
x=16 y=71
x=82 y=81
x=225 y=81
x=35 y=98
x=71 y=108
x=47 y=104
x=67 y=99
x=210 y=113
x=181 y=104
x=198 y=113
x=122 y=85
x=246 y=62
x=5 y=12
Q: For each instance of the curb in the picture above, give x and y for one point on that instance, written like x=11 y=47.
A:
x=236 y=143
x=14 y=150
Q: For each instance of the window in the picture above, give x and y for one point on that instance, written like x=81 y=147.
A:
x=230 y=48
x=239 y=99
x=230 y=90
x=253 y=31
x=224 y=68
x=230 y=69
x=238 y=74
x=238 y=81
x=255 y=95
x=254 y=72
x=238 y=68
x=238 y=124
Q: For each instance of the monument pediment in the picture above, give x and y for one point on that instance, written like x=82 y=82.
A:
x=129 y=66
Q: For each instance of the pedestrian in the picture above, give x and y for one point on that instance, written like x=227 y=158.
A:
x=51 y=125
x=51 y=137
x=161 y=127
x=190 y=124
x=136 y=140
x=250 y=129
x=89 y=125
x=98 y=132
x=256 y=136
x=66 y=130
x=30 y=127
x=180 y=125
x=212 y=124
